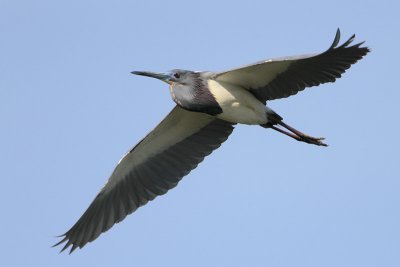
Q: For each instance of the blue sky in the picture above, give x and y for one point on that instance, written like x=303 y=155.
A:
x=69 y=109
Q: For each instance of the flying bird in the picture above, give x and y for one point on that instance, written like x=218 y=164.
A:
x=208 y=105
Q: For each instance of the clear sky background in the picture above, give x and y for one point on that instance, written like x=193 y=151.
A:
x=69 y=109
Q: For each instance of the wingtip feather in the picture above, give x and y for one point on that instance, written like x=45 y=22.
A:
x=60 y=242
x=349 y=41
x=346 y=43
x=336 y=40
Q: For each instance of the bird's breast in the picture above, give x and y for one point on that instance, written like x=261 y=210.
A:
x=238 y=105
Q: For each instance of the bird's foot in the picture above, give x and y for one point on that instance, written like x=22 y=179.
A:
x=312 y=140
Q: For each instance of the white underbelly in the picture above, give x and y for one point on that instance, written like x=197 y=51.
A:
x=238 y=105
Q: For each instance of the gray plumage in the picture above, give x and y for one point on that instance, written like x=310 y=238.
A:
x=146 y=179
x=289 y=75
x=208 y=106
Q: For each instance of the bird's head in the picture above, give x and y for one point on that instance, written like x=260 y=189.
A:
x=175 y=76
x=188 y=89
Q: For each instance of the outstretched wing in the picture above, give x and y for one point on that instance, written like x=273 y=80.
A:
x=283 y=77
x=155 y=165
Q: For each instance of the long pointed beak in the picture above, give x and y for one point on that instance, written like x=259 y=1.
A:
x=165 y=77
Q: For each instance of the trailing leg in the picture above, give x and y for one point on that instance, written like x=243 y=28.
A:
x=274 y=121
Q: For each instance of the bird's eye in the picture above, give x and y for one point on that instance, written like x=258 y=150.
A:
x=177 y=75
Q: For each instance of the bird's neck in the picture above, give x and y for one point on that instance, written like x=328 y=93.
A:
x=195 y=96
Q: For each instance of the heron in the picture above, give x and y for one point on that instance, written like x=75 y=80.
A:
x=208 y=106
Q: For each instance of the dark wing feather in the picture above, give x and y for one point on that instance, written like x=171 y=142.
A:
x=279 y=78
x=155 y=165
